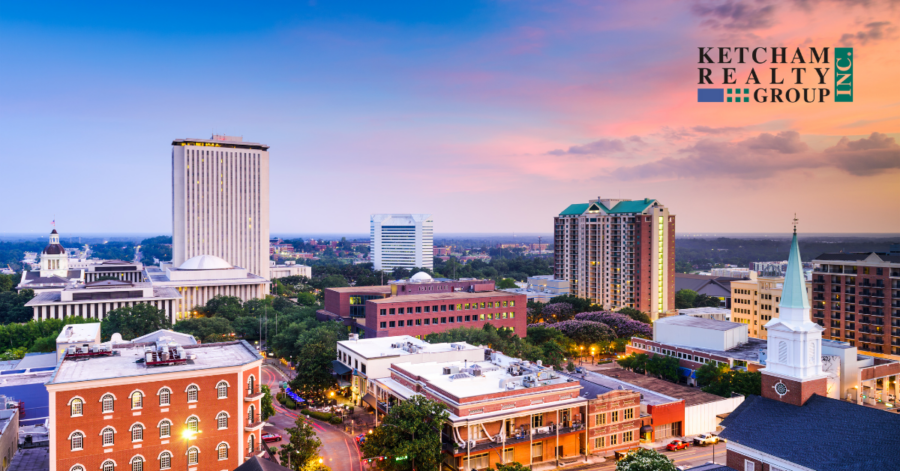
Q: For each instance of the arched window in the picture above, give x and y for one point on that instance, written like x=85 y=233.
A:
x=222 y=390
x=192 y=392
x=251 y=383
x=164 y=396
x=251 y=444
x=109 y=436
x=108 y=402
x=137 y=400
x=222 y=420
x=222 y=450
x=251 y=414
x=165 y=460
x=77 y=407
x=77 y=467
x=137 y=464
x=165 y=429
x=108 y=465
x=193 y=424
x=193 y=455
x=77 y=441
x=137 y=432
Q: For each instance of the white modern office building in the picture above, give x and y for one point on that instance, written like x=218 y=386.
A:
x=220 y=201
x=402 y=241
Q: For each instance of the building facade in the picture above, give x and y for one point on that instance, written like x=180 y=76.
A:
x=289 y=268
x=110 y=413
x=94 y=300
x=54 y=273
x=124 y=271
x=856 y=298
x=202 y=278
x=618 y=253
x=220 y=201
x=402 y=241
x=756 y=301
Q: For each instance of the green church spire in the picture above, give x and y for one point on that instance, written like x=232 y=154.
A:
x=793 y=294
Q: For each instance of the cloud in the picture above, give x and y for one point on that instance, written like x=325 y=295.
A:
x=600 y=147
x=866 y=156
x=767 y=155
x=735 y=15
x=874 y=32
x=712 y=130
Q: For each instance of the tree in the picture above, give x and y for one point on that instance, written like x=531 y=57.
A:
x=301 y=452
x=12 y=306
x=267 y=409
x=208 y=329
x=705 y=300
x=229 y=307
x=306 y=299
x=684 y=299
x=578 y=304
x=412 y=429
x=715 y=379
x=312 y=353
x=635 y=314
x=665 y=367
x=645 y=459
x=506 y=283
x=133 y=321
x=44 y=344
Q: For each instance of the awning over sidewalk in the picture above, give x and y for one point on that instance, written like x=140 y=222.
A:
x=369 y=399
x=339 y=368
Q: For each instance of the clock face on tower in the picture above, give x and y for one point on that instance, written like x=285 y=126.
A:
x=780 y=388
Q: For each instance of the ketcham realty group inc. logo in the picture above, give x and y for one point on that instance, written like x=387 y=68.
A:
x=812 y=76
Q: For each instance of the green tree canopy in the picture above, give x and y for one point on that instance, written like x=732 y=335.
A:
x=133 y=321
x=646 y=460
x=12 y=306
x=301 y=452
x=312 y=353
x=635 y=314
x=684 y=299
x=207 y=329
x=411 y=429
x=578 y=304
x=506 y=283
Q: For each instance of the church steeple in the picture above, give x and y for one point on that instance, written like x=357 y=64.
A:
x=793 y=294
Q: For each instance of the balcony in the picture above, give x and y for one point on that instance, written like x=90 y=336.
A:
x=253 y=394
x=252 y=426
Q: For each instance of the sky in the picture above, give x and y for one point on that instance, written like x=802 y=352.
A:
x=493 y=116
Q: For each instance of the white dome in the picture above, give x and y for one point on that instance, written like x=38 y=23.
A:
x=205 y=262
x=420 y=277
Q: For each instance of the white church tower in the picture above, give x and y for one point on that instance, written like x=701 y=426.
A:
x=54 y=259
x=793 y=371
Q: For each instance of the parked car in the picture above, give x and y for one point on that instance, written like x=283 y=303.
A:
x=677 y=445
x=271 y=437
x=706 y=439
x=621 y=455
x=361 y=438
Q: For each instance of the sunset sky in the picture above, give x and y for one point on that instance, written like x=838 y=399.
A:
x=492 y=116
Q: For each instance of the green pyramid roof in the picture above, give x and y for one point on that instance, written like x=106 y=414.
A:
x=793 y=293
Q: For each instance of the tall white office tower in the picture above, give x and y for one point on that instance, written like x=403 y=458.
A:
x=402 y=241
x=220 y=201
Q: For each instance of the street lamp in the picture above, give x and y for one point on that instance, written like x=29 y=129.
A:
x=188 y=435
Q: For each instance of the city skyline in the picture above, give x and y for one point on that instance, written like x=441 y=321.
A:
x=401 y=108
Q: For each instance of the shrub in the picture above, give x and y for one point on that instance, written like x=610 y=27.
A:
x=335 y=419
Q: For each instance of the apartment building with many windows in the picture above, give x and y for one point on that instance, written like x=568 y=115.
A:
x=754 y=302
x=155 y=406
x=402 y=241
x=618 y=253
x=856 y=298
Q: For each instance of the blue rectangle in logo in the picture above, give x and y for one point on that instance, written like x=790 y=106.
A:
x=710 y=95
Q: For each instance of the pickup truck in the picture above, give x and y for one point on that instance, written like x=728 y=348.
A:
x=706 y=439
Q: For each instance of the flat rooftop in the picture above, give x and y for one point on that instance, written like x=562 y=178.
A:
x=440 y=297
x=362 y=289
x=52 y=297
x=704 y=310
x=745 y=352
x=221 y=143
x=159 y=278
x=691 y=321
x=399 y=346
x=79 y=333
x=123 y=362
x=691 y=396
x=464 y=384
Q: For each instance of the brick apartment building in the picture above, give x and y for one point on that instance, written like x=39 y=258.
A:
x=424 y=305
x=134 y=407
x=856 y=298
x=506 y=410
x=618 y=253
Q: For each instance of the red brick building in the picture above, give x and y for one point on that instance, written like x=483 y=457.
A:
x=201 y=411
x=423 y=306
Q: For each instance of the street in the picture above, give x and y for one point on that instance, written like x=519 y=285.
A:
x=339 y=450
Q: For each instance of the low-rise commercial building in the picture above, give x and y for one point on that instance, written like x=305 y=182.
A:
x=359 y=361
x=712 y=313
x=154 y=405
x=94 y=300
x=289 y=268
x=755 y=302
x=124 y=271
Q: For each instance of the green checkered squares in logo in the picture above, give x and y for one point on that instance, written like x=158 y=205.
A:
x=737 y=91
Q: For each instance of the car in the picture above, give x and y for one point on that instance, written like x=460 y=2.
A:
x=361 y=438
x=706 y=439
x=271 y=437
x=677 y=445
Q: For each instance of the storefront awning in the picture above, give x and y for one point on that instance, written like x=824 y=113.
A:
x=339 y=368
x=369 y=399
